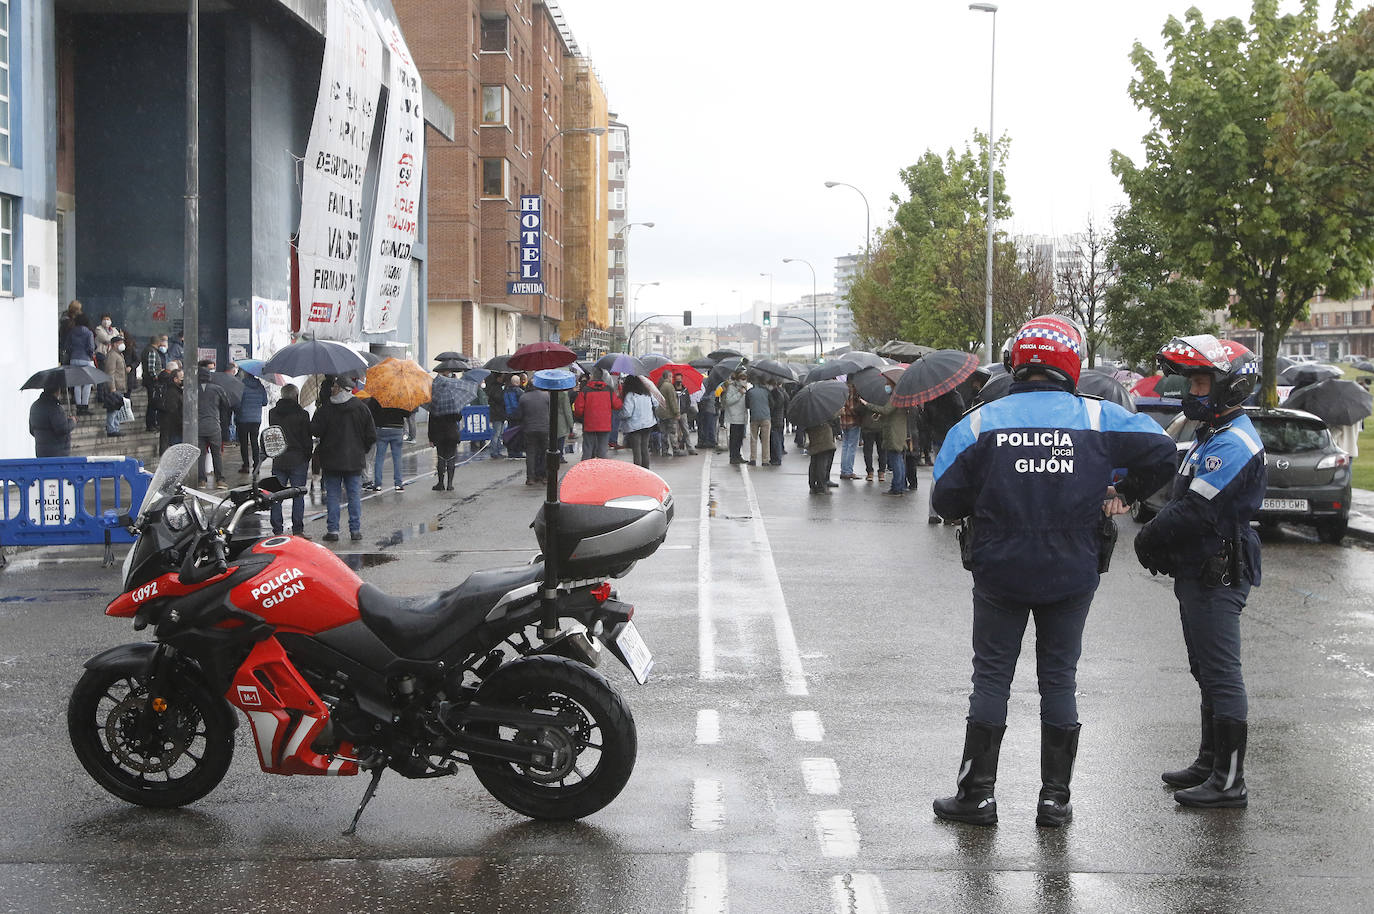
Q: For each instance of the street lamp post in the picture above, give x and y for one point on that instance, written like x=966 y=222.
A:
x=634 y=302
x=770 y=293
x=992 y=75
x=868 y=216
x=625 y=269
x=814 y=321
x=590 y=131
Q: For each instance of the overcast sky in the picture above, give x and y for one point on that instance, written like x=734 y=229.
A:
x=740 y=111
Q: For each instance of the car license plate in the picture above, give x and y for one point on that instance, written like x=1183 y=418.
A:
x=1284 y=504
x=635 y=652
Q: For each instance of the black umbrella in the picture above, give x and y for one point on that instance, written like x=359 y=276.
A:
x=620 y=363
x=315 y=357
x=872 y=386
x=703 y=364
x=66 y=376
x=452 y=365
x=933 y=375
x=654 y=360
x=995 y=389
x=773 y=370
x=1337 y=402
x=1281 y=362
x=830 y=370
x=372 y=358
x=1304 y=373
x=818 y=403
x=1364 y=366
x=1099 y=383
x=721 y=355
x=233 y=387
x=499 y=363
x=721 y=371
x=903 y=351
x=449 y=354
x=865 y=359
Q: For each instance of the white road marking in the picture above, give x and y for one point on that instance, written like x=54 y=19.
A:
x=708 y=727
x=807 y=727
x=706 y=643
x=707 y=889
x=794 y=677
x=708 y=805
x=837 y=833
x=821 y=776
x=858 y=893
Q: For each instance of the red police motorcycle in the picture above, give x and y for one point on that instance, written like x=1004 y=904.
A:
x=337 y=677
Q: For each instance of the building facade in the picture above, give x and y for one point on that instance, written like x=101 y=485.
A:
x=586 y=306
x=618 y=266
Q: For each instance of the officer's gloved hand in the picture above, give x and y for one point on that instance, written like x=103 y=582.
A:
x=1155 y=561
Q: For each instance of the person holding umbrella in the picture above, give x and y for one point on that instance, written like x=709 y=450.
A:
x=445 y=412
x=637 y=417
x=49 y=423
x=292 y=466
x=346 y=433
x=596 y=403
x=1033 y=471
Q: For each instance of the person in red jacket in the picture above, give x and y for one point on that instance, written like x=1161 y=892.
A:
x=595 y=404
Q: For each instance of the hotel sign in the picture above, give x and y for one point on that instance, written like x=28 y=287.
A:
x=531 y=281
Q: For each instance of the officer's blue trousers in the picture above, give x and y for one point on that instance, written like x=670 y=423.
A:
x=1211 y=632
x=998 y=627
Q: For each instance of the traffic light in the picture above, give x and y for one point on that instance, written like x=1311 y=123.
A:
x=686 y=318
x=768 y=318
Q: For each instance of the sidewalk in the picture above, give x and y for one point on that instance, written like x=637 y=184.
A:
x=1361 y=515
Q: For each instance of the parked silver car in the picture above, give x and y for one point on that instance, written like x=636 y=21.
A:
x=1309 y=477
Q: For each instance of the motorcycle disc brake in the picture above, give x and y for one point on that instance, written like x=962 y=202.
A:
x=160 y=752
x=565 y=744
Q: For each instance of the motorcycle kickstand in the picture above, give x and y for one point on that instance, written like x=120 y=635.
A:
x=367 y=798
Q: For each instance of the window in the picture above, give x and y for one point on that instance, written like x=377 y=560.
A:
x=494 y=32
x=6 y=245
x=494 y=178
x=618 y=198
x=616 y=139
x=495 y=105
x=5 y=86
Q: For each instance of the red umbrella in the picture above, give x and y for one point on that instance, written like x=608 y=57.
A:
x=538 y=356
x=1145 y=387
x=690 y=376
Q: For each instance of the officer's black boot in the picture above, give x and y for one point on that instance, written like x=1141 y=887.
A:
x=1197 y=772
x=439 y=474
x=1058 y=747
x=1225 y=786
x=452 y=465
x=975 y=803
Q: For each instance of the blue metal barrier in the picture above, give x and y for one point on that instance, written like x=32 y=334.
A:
x=52 y=501
x=475 y=424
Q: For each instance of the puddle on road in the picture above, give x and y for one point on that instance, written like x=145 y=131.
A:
x=360 y=560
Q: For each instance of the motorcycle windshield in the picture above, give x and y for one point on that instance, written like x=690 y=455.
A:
x=172 y=470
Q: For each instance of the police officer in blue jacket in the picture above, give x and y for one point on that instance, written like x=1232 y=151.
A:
x=1031 y=473
x=1203 y=538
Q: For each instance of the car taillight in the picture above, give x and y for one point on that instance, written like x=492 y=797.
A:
x=1334 y=461
x=602 y=591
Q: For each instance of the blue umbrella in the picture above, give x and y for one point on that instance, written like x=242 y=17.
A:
x=450 y=395
x=252 y=366
x=620 y=363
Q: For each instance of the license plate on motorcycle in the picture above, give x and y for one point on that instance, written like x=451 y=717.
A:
x=635 y=652
x=1284 y=504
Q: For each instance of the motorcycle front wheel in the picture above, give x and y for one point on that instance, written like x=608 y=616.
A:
x=178 y=760
x=593 y=758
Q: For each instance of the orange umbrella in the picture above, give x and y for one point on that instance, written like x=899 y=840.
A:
x=397 y=384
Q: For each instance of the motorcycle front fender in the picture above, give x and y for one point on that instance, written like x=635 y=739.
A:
x=137 y=657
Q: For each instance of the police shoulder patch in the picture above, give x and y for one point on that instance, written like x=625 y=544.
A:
x=1212 y=463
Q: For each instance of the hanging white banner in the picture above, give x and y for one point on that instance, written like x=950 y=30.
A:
x=335 y=165
x=398 y=187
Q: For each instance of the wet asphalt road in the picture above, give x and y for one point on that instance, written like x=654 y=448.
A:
x=807 y=703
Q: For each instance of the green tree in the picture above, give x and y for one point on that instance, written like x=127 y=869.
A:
x=1148 y=304
x=1248 y=164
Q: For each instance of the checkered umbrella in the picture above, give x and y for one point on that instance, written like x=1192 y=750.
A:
x=933 y=375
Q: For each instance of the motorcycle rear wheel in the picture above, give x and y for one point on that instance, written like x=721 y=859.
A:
x=596 y=756
x=185 y=762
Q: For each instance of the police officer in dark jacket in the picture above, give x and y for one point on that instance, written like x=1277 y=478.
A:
x=292 y=466
x=1032 y=473
x=1203 y=538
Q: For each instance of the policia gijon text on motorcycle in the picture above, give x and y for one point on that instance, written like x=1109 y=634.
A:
x=1203 y=538
x=1032 y=475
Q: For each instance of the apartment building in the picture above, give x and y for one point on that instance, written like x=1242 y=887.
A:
x=586 y=305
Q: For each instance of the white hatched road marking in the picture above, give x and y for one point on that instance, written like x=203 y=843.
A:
x=807 y=727
x=706 y=891
x=706 y=643
x=708 y=727
x=821 y=775
x=858 y=893
x=794 y=677
x=837 y=833
x=708 y=805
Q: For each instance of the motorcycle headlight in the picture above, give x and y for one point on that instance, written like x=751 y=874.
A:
x=176 y=516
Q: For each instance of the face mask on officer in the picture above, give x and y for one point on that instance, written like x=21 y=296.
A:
x=1195 y=407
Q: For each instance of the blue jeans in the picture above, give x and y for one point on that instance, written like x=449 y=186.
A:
x=111 y=422
x=1211 y=632
x=998 y=626
x=291 y=476
x=896 y=463
x=498 y=447
x=388 y=438
x=777 y=439
x=849 y=449
x=82 y=393
x=352 y=483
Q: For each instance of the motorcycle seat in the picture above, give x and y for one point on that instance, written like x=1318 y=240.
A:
x=424 y=627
